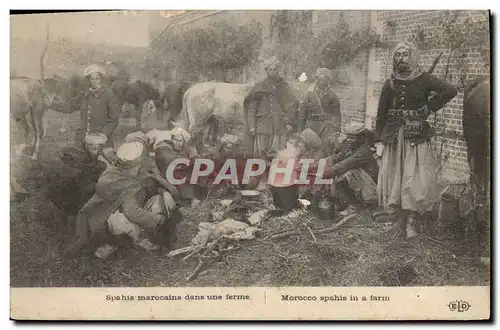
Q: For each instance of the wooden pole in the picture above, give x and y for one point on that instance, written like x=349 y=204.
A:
x=44 y=51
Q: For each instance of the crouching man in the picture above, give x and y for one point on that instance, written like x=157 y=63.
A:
x=78 y=169
x=127 y=201
x=170 y=146
x=354 y=171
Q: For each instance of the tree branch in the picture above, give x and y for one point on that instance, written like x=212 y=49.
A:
x=44 y=51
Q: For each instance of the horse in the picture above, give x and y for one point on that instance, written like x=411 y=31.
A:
x=32 y=98
x=476 y=128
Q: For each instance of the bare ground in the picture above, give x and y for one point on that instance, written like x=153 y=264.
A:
x=360 y=253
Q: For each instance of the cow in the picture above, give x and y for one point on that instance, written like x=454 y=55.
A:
x=30 y=98
x=209 y=102
x=476 y=128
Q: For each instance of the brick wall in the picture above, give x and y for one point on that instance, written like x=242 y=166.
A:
x=401 y=25
x=353 y=95
x=367 y=73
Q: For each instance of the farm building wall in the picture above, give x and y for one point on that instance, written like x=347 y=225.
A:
x=366 y=74
x=400 y=25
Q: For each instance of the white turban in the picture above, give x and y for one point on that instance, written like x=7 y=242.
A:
x=94 y=68
x=273 y=61
x=182 y=132
x=355 y=128
x=96 y=139
x=230 y=138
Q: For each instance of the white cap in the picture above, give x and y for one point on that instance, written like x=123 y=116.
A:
x=131 y=151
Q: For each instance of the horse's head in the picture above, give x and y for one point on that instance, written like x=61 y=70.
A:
x=55 y=90
x=76 y=86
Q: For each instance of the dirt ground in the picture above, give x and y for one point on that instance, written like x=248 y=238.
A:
x=361 y=253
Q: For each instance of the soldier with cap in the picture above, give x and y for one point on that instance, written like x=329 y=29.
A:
x=99 y=108
x=127 y=201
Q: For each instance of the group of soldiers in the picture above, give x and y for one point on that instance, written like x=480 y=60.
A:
x=392 y=168
x=405 y=184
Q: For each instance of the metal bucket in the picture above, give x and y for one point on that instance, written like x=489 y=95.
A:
x=325 y=209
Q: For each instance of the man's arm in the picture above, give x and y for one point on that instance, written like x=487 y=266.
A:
x=384 y=105
x=335 y=104
x=303 y=112
x=361 y=157
x=136 y=214
x=252 y=111
x=445 y=92
x=113 y=115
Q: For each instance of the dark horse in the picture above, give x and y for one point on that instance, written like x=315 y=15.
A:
x=172 y=100
x=476 y=127
x=136 y=93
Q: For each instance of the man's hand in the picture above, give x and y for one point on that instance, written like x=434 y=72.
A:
x=158 y=219
x=424 y=111
x=379 y=149
x=252 y=132
x=289 y=127
x=169 y=202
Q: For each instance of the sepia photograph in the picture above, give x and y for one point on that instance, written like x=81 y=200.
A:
x=182 y=149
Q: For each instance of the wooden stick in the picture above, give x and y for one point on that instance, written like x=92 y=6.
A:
x=312 y=234
x=321 y=231
x=212 y=245
x=436 y=60
x=191 y=254
x=196 y=270
x=185 y=250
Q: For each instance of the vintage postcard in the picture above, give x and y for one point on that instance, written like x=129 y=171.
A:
x=250 y=165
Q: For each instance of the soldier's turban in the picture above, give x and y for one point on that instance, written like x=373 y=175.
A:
x=93 y=68
x=271 y=62
x=96 y=139
x=230 y=138
x=182 y=132
x=355 y=128
x=324 y=72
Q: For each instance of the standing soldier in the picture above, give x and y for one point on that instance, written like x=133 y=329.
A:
x=99 y=108
x=407 y=179
x=320 y=110
x=271 y=111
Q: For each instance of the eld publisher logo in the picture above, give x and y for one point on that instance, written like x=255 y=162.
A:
x=459 y=306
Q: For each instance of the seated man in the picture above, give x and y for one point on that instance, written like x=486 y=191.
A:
x=128 y=202
x=172 y=145
x=231 y=147
x=310 y=147
x=71 y=182
x=354 y=170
